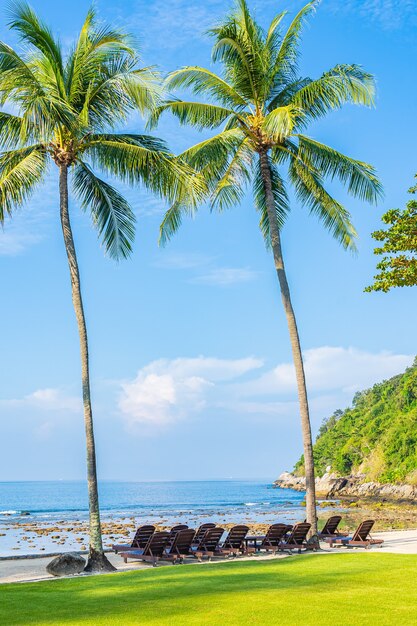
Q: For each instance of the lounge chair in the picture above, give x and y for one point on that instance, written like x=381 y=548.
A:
x=201 y=532
x=208 y=544
x=174 y=530
x=153 y=551
x=181 y=546
x=234 y=542
x=297 y=539
x=273 y=538
x=139 y=540
x=361 y=538
x=330 y=528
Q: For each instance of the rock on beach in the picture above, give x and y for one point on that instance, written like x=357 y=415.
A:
x=66 y=564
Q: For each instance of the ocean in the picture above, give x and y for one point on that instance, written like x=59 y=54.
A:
x=49 y=500
x=37 y=509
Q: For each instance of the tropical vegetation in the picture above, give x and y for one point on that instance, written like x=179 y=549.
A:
x=264 y=107
x=63 y=110
x=398 y=268
x=375 y=437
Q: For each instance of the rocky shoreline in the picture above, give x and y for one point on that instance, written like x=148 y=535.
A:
x=332 y=486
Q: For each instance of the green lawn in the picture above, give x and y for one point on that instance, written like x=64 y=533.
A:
x=314 y=590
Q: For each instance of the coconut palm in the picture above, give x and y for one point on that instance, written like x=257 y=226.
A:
x=264 y=106
x=63 y=110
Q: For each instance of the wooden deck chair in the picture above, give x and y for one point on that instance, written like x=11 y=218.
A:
x=209 y=543
x=234 y=542
x=152 y=552
x=330 y=528
x=174 y=530
x=139 y=540
x=361 y=538
x=181 y=546
x=201 y=532
x=297 y=539
x=273 y=538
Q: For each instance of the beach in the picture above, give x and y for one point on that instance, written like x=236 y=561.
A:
x=33 y=569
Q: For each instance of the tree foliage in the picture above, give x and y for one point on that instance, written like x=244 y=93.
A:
x=262 y=105
x=398 y=267
x=376 y=436
x=66 y=108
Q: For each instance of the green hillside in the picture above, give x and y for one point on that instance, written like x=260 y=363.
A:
x=377 y=436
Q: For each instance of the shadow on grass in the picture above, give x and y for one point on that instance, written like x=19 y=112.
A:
x=179 y=594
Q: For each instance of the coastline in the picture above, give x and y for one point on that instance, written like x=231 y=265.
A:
x=35 y=538
x=39 y=530
x=331 y=485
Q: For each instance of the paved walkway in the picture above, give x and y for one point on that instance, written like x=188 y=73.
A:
x=33 y=569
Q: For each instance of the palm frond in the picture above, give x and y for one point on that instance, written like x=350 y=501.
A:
x=110 y=211
x=360 y=177
x=280 y=122
x=140 y=158
x=211 y=156
x=31 y=30
x=273 y=38
x=230 y=188
x=234 y=51
x=286 y=58
x=116 y=91
x=312 y=194
x=342 y=84
x=203 y=81
x=40 y=107
x=283 y=94
x=12 y=130
x=280 y=199
x=21 y=171
x=196 y=114
x=172 y=221
x=90 y=60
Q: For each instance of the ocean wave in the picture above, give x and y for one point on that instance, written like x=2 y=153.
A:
x=251 y=503
x=9 y=512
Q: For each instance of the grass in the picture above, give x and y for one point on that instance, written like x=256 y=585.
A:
x=314 y=590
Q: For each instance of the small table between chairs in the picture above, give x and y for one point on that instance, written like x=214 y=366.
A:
x=254 y=539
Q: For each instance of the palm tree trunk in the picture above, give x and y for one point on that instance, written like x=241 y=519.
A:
x=295 y=344
x=97 y=561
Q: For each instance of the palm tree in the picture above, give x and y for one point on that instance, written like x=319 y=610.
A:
x=64 y=110
x=264 y=107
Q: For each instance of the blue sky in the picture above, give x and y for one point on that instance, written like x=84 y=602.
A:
x=190 y=359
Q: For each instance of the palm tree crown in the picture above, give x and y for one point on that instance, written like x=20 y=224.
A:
x=65 y=109
x=265 y=107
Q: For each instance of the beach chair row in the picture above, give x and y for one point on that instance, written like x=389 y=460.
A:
x=206 y=542
x=181 y=542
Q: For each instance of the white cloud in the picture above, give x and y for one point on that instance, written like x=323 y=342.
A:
x=182 y=260
x=15 y=241
x=226 y=276
x=328 y=368
x=166 y=391
x=48 y=399
x=204 y=270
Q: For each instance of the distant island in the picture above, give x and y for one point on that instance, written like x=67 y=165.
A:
x=370 y=448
